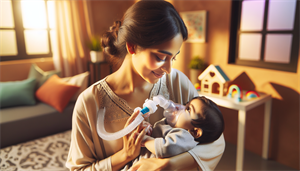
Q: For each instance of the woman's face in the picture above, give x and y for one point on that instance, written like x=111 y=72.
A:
x=153 y=62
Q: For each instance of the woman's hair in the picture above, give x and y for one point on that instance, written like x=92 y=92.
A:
x=211 y=122
x=145 y=23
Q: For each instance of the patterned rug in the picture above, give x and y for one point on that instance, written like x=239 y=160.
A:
x=44 y=154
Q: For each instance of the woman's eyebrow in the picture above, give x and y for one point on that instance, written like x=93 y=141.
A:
x=168 y=53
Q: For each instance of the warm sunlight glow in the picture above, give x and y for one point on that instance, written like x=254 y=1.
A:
x=6 y=14
x=51 y=14
x=8 y=44
x=36 y=41
x=34 y=14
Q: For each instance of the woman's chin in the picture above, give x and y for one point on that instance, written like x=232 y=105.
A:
x=152 y=81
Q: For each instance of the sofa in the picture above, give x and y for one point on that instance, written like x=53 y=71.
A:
x=24 y=123
x=38 y=106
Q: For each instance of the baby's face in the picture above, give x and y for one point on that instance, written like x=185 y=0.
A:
x=193 y=112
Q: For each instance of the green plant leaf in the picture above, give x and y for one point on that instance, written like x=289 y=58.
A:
x=95 y=44
x=197 y=63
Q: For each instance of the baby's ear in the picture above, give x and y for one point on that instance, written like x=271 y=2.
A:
x=196 y=132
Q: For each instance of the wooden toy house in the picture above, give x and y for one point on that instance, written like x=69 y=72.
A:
x=214 y=80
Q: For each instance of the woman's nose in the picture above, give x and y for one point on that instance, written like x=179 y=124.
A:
x=167 y=66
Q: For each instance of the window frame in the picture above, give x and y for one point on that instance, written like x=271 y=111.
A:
x=234 y=41
x=20 y=39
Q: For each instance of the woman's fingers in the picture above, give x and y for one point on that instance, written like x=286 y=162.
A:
x=132 y=117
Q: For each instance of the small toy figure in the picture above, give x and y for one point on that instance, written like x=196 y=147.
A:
x=197 y=86
x=235 y=92
x=251 y=95
x=213 y=80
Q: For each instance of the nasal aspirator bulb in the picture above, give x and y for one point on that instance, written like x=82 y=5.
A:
x=148 y=106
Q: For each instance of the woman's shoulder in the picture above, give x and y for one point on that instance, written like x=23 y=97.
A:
x=177 y=77
x=175 y=74
x=92 y=91
x=179 y=86
x=175 y=71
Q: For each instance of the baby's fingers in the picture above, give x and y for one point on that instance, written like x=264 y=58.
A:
x=141 y=135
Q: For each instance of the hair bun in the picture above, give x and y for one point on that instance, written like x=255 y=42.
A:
x=110 y=37
x=115 y=28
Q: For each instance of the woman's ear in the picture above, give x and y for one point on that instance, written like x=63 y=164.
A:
x=196 y=132
x=130 y=48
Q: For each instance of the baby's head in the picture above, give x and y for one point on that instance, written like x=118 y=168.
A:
x=202 y=119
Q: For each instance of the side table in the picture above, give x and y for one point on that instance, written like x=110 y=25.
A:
x=242 y=108
x=95 y=70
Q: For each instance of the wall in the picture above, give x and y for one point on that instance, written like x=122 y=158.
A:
x=18 y=70
x=283 y=86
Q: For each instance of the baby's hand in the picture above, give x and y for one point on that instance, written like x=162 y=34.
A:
x=147 y=124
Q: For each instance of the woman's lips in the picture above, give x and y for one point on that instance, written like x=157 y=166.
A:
x=158 y=75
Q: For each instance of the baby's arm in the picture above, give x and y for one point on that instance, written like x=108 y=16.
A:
x=175 y=142
x=149 y=143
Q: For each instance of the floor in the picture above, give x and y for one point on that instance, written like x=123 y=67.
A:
x=49 y=153
x=251 y=161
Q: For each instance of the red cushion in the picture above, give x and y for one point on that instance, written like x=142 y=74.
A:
x=56 y=92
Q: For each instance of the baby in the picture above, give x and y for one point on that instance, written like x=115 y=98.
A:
x=202 y=122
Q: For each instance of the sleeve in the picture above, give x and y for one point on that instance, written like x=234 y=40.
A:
x=82 y=153
x=181 y=91
x=175 y=142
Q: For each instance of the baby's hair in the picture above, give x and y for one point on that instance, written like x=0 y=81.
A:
x=211 y=122
x=146 y=23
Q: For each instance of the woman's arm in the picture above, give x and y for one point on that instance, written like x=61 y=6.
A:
x=86 y=152
x=182 y=161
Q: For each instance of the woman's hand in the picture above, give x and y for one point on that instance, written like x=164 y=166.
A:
x=132 y=141
x=150 y=164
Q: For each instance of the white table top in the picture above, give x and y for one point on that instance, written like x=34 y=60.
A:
x=245 y=104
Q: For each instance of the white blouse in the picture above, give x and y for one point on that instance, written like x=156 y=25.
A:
x=89 y=152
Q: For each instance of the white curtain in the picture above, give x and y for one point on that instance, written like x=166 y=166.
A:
x=73 y=29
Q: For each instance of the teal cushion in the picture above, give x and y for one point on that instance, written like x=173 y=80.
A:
x=40 y=75
x=16 y=93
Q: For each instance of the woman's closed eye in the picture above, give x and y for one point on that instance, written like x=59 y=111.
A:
x=160 y=59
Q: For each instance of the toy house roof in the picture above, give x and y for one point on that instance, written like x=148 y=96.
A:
x=217 y=71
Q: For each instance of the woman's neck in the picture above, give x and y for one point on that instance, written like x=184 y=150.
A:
x=126 y=80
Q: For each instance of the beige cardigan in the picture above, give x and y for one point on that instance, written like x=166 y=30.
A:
x=89 y=152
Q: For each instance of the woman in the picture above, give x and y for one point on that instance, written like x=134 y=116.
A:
x=147 y=41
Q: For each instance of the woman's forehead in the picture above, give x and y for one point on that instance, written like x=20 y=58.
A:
x=171 y=47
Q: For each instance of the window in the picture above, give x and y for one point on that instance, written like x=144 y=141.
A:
x=265 y=34
x=26 y=28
